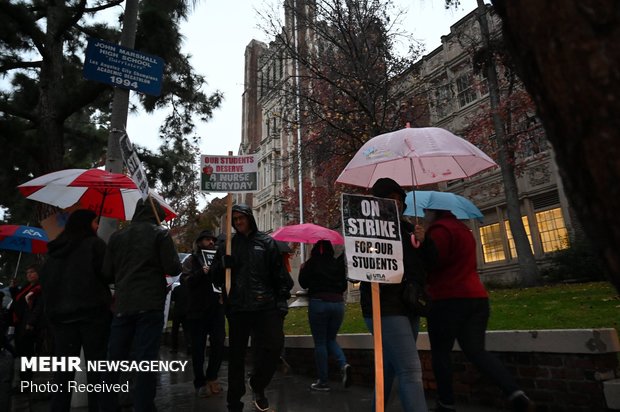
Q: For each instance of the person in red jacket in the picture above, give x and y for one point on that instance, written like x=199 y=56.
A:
x=460 y=311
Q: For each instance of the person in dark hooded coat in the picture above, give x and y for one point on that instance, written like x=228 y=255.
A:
x=205 y=315
x=326 y=280
x=137 y=260
x=77 y=301
x=255 y=306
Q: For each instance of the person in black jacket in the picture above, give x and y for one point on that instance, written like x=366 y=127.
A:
x=137 y=260
x=325 y=278
x=77 y=301
x=26 y=316
x=205 y=315
x=179 y=299
x=399 y=326
x=256 y=305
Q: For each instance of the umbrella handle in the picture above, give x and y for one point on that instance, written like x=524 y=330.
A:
x=414 y=242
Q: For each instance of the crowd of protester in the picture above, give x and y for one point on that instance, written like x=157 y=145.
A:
x=66 y=308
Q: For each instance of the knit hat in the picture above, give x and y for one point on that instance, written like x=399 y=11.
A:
x=385 y=186
x=206 y=234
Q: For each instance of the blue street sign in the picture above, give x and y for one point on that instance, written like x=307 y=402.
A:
x=119 y=66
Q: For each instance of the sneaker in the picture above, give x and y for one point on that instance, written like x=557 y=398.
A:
x=261 y=404
x=521 y=403
x=203 y=392
x=444 y=408
x=346 y=375
x=320 y=386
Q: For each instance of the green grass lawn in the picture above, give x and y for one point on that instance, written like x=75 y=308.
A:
x=570 y=306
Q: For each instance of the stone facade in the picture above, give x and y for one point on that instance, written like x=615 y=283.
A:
x=449 y=95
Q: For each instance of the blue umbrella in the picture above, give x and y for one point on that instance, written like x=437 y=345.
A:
x=23 y=238
x=460 y=207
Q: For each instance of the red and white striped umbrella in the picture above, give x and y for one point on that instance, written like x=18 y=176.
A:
x=108 y=194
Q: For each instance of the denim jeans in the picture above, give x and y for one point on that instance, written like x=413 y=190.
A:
x=136 y=337
x=325 y=319
x=401 y=360
x=212 y=325
x=463 y=320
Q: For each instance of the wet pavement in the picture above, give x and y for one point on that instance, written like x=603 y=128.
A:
x=287 y=392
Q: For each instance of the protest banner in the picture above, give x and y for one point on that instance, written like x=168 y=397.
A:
x=230 y=174
x=134 y=166
x=374 y=253
x=207 y=258
x=372 y=239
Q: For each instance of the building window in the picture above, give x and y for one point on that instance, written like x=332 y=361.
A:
x=443 y=96
x=553 y=233
x=277 y=169
x=511 y=242
x=266 y=173
x=492 y=245
x=465 y=91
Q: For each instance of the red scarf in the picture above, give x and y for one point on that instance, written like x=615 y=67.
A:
x=35 y=289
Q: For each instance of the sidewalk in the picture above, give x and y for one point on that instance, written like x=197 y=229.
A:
x=286 y=393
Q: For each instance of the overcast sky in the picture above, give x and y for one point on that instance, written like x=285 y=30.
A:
x=216 y=36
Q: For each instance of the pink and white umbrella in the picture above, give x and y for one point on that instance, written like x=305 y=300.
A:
x=108 y=194
x=415 y=157
x=307 y=233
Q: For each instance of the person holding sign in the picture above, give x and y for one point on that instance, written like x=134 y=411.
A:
x=399 y=325
x=137 y=259
x=325 y=278
x=255 y=306
x=205 y=315
x=460 y=312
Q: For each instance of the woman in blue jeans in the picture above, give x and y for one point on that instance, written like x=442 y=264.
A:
x=325 y=278
x=398 y=325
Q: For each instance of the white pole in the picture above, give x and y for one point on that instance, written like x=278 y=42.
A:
x=298 y=114
x=17 y=267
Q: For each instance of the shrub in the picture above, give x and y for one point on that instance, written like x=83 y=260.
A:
x=577 y=262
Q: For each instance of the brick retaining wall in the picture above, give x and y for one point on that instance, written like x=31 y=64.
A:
x=561 y=370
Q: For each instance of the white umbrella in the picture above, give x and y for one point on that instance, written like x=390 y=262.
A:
x=415 y=157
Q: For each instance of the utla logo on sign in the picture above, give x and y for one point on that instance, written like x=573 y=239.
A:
x=372 y=239
x=229 y=173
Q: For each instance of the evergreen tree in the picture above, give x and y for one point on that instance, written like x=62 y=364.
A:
x=50 y=117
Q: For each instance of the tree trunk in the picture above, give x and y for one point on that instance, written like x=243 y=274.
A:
x=530 y=275
x=50 y=132
x=567 y=57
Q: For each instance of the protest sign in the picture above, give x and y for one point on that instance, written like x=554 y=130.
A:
x=372 y=236
x=207 y=256
x=229 y=173
x=134 y=166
